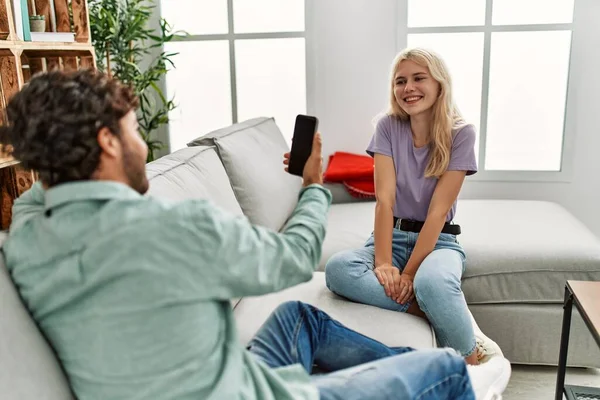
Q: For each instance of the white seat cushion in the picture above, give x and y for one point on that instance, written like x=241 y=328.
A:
x=391 y=328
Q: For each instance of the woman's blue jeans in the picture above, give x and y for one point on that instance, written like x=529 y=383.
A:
x=437 y=285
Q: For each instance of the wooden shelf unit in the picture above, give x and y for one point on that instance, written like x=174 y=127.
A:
x=20 y=60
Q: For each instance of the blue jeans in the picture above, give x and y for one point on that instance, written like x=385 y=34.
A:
x=357 y=367
x=437 y=285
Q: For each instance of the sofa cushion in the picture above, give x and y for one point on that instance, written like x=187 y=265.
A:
x=514 y=254
x=523 y=251
x=252 y=153
x=389 y=327
x=28 y=367
x=192 y=173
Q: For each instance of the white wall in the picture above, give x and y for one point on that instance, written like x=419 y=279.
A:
x=355 y=41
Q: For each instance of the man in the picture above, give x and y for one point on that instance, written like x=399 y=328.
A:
x=133 y=293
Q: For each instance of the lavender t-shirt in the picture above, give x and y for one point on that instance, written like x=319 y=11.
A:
x=393 y=138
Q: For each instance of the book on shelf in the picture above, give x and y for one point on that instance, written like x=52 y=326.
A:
x=23 y=29
x=21 y=19
x=52 y=37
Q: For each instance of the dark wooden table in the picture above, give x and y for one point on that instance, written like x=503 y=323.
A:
x=586 y=297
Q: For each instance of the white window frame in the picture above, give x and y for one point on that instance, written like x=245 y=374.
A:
x=232 y=37
x=566 y=171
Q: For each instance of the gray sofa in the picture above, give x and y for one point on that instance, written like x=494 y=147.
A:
x=520 y=253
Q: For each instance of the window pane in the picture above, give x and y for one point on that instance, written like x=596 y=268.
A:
x=201 y=84
x=516 y=12
x=196 y=17
x=446 y=13
x=251 y=16
x=526 y=106
x=463 y=54
x=271 y=80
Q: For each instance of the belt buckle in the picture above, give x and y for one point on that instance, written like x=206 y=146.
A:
x=399 y=223
x=410 y=224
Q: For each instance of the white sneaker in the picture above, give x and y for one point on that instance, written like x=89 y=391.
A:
x=486 y=347
x=490 y=379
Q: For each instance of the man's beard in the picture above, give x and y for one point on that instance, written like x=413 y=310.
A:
x=135 y=169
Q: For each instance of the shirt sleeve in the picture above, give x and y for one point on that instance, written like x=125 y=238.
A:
x=28 y=205
x=224 y=256
x=381 y=142
x=463 y=151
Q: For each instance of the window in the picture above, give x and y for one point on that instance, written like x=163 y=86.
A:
x=509 y=60
x=241 y=59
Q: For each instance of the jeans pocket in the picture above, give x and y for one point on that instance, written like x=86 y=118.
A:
x=448 y=237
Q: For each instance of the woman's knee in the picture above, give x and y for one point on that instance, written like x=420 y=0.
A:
x=433 y=281
x=336 y=268
x=342 y=267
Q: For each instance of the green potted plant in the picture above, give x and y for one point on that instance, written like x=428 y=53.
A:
x=37 y=23
x=129 y=49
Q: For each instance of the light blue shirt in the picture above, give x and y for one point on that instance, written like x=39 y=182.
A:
x=133 y=293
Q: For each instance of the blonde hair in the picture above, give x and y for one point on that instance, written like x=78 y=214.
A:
x=446 y=116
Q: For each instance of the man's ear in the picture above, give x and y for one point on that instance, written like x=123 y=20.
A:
x=109 y=143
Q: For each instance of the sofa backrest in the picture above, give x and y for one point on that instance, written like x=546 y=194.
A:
x=192 y=173
x=28 y=367
x=252 y=154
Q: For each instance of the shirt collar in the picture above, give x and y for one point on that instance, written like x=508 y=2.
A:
x=87 y=190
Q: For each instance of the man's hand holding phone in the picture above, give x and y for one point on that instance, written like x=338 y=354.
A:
x=313 y=169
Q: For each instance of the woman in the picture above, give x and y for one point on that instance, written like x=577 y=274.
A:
x=423 y=150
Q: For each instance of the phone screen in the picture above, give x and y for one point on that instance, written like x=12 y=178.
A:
x=304 y=132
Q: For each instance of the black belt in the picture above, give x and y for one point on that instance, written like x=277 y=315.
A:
x=408 y=225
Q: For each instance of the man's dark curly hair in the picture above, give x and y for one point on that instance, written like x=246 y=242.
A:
x=53 y=122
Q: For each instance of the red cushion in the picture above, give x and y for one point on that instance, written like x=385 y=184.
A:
x=343 y=166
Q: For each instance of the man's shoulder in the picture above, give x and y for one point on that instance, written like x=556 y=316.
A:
x=114 y=221
x=131 y=229
x=150 y=210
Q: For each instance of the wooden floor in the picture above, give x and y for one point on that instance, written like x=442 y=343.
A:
x=539 y=383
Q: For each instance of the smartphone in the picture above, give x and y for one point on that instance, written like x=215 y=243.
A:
x=304 y=133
